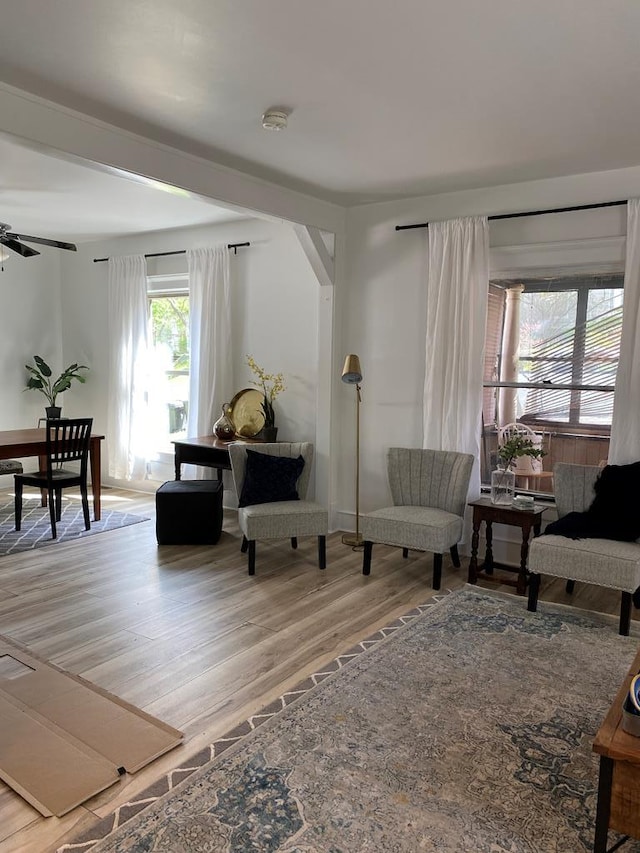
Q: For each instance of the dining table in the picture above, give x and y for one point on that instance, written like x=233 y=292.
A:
x=19 y=443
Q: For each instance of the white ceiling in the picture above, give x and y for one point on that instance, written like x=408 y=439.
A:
x=387 y=99
x=65 y=199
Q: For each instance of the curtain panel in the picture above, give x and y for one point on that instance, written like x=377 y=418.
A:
x=624 y=445
x=210 y=371
x=128 y=367
x=457 y=288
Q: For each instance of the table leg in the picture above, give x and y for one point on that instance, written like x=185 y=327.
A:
x=488 y=557
x=524 y=551
x=603 y=811
x=96 y=476
x=178 y=461
x=473 y=562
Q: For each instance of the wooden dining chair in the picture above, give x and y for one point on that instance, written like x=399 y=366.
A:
x=67 y=441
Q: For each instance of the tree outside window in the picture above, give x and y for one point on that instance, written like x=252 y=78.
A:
x=169 y=395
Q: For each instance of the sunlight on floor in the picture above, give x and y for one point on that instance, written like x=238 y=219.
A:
x=105 y=498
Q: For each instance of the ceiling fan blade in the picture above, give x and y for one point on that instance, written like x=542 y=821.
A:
x=55 y=243
x=25 y=251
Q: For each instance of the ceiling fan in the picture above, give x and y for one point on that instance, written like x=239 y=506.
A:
x=12 y=241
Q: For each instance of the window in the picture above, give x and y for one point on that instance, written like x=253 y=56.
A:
x=550 y=362
x=169 y=381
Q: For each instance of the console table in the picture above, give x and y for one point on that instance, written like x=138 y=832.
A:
x=619 y=779
x=206 y=450
x=526 y=519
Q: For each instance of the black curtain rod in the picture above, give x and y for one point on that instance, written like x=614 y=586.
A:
x=234 y=246
x=528 y=213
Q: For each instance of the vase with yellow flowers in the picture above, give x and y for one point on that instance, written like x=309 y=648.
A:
x=271 y=384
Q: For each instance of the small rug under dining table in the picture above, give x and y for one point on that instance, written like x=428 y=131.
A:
x=35 y=530
x=466 y=725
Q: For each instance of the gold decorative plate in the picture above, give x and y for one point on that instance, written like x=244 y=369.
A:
x=246 y=412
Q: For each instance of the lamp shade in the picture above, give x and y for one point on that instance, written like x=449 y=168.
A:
x=351 y=372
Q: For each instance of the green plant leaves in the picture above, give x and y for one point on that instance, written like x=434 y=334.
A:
x=517 y=446
x=42 y=365
x=40 y=379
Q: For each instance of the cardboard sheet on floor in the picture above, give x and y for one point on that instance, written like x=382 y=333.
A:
x=62 y=739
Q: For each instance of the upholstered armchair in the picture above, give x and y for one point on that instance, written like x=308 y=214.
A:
x=604 y=562
x=429 y=493
x=272 y=496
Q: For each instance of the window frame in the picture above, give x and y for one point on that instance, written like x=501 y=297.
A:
x=582 y=284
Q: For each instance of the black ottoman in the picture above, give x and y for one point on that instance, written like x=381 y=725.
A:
x=189 y=512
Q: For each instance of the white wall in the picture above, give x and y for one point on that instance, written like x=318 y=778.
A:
x=30 y=324
x=275 y=298
x=381 y=307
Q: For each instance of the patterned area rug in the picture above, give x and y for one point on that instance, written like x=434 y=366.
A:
x=36 y=528
x=465 y=726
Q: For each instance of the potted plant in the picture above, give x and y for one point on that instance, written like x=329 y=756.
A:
x=40 y=379
x=271 y=384
x=503 y=480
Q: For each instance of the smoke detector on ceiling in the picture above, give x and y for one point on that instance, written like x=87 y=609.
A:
x=275 y=118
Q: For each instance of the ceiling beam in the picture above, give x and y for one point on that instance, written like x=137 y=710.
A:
x=58 y=130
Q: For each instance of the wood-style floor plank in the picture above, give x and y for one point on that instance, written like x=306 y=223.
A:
x=184 y=633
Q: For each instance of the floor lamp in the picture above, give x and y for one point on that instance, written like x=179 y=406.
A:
x=352 y=375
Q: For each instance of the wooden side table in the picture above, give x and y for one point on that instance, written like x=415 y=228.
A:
x=619 y=779
x=526 y=519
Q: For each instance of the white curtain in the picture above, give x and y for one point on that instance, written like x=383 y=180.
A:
x=457 y=288
x=128 y=367
x=625 y=428
x=210 y=372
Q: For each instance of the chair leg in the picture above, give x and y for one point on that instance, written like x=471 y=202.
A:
x=437 y=571
x=534 y=588
x=455 y=557
x=252 y=556
x=52 y=513
x=366 y=558
x=322 y=552
x=85 y=509
x=636 y=598
x=58 y=504
x=405 y=553
x=571 y=585
x=244 y=546
x=625 y=614
x=294 y=542
x=18 y=503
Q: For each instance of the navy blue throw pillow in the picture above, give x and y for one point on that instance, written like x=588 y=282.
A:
x=270 y=478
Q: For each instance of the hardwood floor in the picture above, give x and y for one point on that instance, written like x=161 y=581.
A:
x=184 y=633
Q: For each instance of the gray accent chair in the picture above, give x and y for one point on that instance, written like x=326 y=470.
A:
x=10 y=466
x=279 y=519
x=604 y=562
x=429 y=492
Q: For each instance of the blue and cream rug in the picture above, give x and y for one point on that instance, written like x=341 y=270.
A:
x=36 y=528
x=464 y=726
